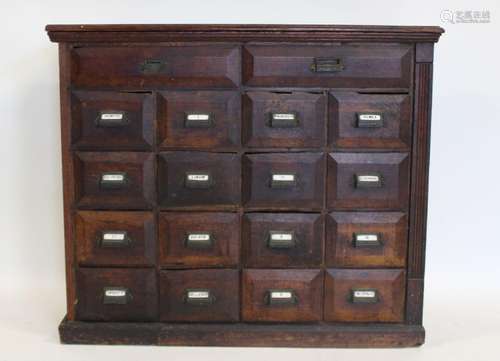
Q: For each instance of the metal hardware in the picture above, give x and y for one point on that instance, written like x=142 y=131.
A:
x=283 y=180
x=152 y=66
x=366 y=240
x=199 y=240
x=369 y=120
x=368 y=180
x=199 y=296
x=113 y=180
x=327 y=65
x=116 y=296
x=198 y=180
x=111 y=119
x=114 y=239
x=198 y=120
x=364 y=295
x=281 y=297
x=283 y=120
x=278 y=239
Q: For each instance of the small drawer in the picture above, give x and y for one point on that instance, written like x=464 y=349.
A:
x=200 y=295
x=114 y=180
x=175 y=66
x=199 y=180
x=113 y=294
x=370 y=121
x=283 y=181
x=284 y=120
x=368 y=181
x=282 y=295
x=112 y=120
x=199 y=120
x=281 y=240
x=364 y=295
x=331 y=66
x=366 y=239
x=115 y=238
x=199 y=239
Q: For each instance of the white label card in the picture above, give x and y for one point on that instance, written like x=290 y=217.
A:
x=367 y=237
x=111 y=116
x=368 y=178
x=284 y=177
x=113 y=177
x=281 y=236
x=113 y=236
x=370 y=117
x=198 y=294
x=364 y=294
x=198 y=177
x=115 y=293
x=283 y=116
x=198 y=117
x=199 y=237
x=281 y=295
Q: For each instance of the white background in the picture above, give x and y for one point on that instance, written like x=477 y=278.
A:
x=462 y=308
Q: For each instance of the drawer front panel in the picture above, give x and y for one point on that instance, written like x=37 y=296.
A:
x=203 y=120
x=115 y=238
x=274 y=120
x=282 y=295
x=112 y=120
x=364 y=295
x=195 y=179
x=199 y=295
x=366 y=239
x=183 y=66
x=199 y=239
x=280 y=240
x=335 y=66
x=112 y=294
x=368 y=181
x=283 y=181
x=114 y=180
x=370 y=120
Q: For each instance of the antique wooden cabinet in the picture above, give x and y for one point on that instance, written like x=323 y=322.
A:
x=245 y=185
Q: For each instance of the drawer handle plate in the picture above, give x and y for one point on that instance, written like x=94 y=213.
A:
x=283 y=180
x=116 y=296
x=284 y=120
x=152 y=66
x=281 y=240
x=362 y=240
x=198 y=180
x=199 y=297
x=364 y=295
x=198 y=120
x=281 y=297
x=112 y=119
x=368 y=180
x=113 y=180
x=369 y=120
x=199 y=240
x=327 y=65
x=114 y=239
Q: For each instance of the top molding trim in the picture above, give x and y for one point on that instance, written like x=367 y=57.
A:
x=182 y=32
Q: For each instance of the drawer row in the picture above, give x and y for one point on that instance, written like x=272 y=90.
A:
x=227 y=119
x=270 y=181
x=255 y=240
x=257 y=295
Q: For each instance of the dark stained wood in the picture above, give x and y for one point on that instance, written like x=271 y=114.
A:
x=424 y=52
x=223 y=285
x=307 y=230
x=390 y=288
x=223 y=228
x=414 y=301
x=309 y=108
x=395 y=110
x=390 y=227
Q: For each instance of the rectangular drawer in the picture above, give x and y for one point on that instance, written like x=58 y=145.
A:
x=199 y=295
x=139 y=67
x=114 y=180
x=201 y=120
x=370 y=120
x=281 y=240
x=112 y=120
x=284 y=120
x=283 y=181
x=115 y=238
x=282 y=295
x=368 y=181
x=332 y=66
x=366 y=239
x=199 y=239
x=364 y=295
x=199 y=180
x=113 y=294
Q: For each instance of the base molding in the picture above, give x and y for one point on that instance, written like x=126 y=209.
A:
x=241 y=334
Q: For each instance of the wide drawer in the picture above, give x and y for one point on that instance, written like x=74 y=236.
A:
x=199 y=239
x=199 y=120
x=112 y=120
x=284 y=120
x=123 y=180
x=366 y=239
x=113 y=294
x=368 y=181
x=199 y=180
x=281 y=240
x=364 y=295
x=370 y=121
x=200 y=295
x=282 y=295
x=115 y=238
x=283 y=181
x=174 y=66
x=333 y=66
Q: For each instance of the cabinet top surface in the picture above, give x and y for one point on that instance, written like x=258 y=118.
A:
x=226 y=32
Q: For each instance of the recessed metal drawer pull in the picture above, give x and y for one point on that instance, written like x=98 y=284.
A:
x=369 y=120
x=116 y=296
x=283 y=180
x=111 y=119
x=368 y=180
x=327 y=65
x=366 y=240
x=281 y=297
x=199 y=296
x=114 y=239
x=113 y=180
x=198 y=120
x=279 y=239
x=284 y=120
x=198 y=180
x=364 y=295
x=199 y=240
